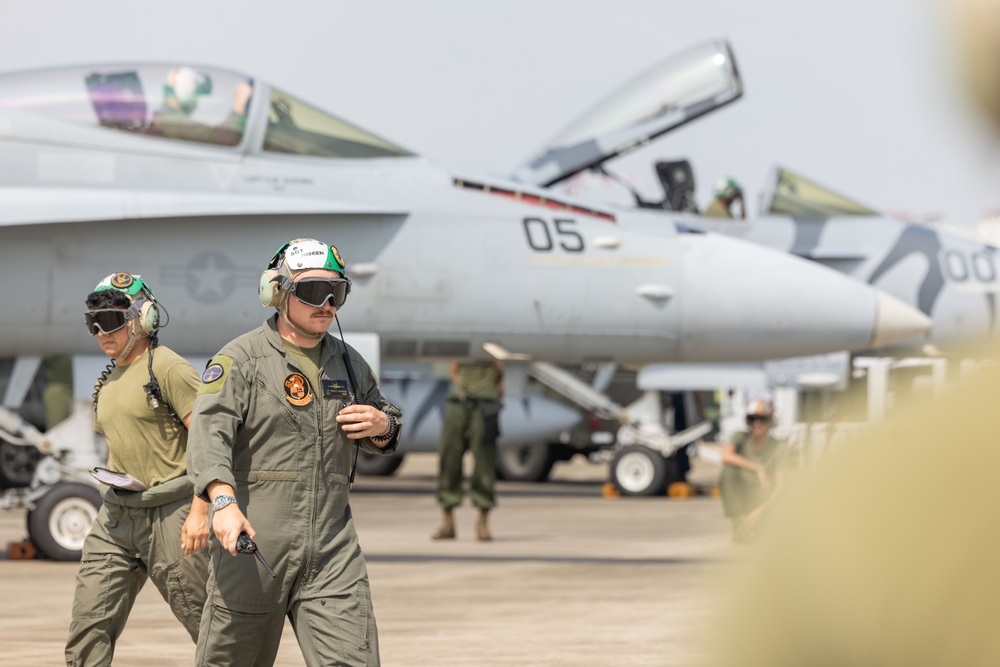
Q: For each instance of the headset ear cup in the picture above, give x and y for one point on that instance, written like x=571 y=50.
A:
x=149 y=317
x=267 y=290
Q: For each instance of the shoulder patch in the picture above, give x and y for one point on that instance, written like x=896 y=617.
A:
x=215 y=374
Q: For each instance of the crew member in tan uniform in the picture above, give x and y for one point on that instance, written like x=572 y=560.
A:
x=142 y=403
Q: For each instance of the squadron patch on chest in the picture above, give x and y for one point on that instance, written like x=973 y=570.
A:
x=297 y=390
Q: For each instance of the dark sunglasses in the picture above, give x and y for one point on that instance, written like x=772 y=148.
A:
x=316 y=292
x=106 y=321
x=758 y=418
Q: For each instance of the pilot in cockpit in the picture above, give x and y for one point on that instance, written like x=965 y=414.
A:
x=727 y=192
x=184 y=87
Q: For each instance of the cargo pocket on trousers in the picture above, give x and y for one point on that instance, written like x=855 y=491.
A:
x=342 y=627
x=183 y=584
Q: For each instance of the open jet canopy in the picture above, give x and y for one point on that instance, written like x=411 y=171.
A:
x=799 y=197
x=203 y=105
x=666 y=96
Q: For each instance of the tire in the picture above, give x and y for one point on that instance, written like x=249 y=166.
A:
x=375 y=465
x=62 y=519
x=17 y=464
x=526 y=463
x=637 y=470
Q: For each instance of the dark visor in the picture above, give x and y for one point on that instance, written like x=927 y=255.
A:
x=107 y=321
x=317 y=291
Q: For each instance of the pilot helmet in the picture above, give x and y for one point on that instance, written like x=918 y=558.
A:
x=143 y=309
x=727 y=189
x=188 y=84
x=291 y=259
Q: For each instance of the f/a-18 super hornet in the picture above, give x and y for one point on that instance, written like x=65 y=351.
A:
x=949 y=277
x=192 y=176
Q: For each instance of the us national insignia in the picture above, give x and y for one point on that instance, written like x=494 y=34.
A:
x=297 y=390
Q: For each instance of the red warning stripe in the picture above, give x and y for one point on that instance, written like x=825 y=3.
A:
x=536 y=200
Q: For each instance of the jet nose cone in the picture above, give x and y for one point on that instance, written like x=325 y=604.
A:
x=896 y=321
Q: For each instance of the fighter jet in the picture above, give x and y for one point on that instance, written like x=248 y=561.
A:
x=949 y=277
x=193 y=176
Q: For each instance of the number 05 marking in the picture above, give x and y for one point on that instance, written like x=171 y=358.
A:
x=542 y=235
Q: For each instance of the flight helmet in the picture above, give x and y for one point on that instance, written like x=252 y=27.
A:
x=143 y=310
x=727 y=189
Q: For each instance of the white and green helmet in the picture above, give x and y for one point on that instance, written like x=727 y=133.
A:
x=304 y=254
x=727 y=188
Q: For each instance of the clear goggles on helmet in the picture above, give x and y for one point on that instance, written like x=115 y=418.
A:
x=106 y=320
x=316 y=292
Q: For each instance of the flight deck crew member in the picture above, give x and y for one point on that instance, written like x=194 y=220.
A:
x=471 y=422
x=726 y=193
x=277 y=420
x=753 y=472
x=142 y=403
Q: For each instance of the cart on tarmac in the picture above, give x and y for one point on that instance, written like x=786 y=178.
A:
x=61 y=497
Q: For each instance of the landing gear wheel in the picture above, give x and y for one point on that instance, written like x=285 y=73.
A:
x=637 y=470
x=62 y=518
x=375 y=465
x=17 y=464
x=526 y=463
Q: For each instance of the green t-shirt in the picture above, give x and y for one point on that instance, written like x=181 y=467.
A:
x=308 y=360
x=146 y=443
x=773 y=455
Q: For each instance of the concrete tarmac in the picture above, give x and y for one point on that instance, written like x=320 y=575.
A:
x=571 y=578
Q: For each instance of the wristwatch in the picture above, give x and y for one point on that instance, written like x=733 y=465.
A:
x=222 y=500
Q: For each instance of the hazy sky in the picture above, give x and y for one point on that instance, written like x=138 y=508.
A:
x=860 y=95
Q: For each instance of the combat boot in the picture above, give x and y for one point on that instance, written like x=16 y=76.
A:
x=482 y=529
x=447 y=529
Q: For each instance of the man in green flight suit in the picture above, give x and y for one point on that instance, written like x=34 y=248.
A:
x=471 y=422
x=142 y=403
x=278 y=417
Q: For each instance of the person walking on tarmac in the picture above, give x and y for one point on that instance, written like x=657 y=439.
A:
x=471 y=422
x=753 y=472
x=726 y=193
x=280 y=415
x=150 y=525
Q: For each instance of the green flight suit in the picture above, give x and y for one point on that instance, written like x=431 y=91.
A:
x=261 y=426
x=463 y=430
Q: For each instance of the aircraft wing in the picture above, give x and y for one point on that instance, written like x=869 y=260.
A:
x=27 y=205
x=670 y=94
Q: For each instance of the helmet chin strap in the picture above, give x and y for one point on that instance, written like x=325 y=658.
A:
x=133 y=336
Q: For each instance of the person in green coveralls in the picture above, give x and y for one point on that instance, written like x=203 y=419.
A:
x=142 y=404
x=471 y=422
x=726 y=192
x=753 y=472
x=279 y=418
